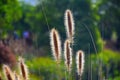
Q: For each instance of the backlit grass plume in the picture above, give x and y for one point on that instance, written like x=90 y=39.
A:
x=68 y=55
x=8 y=73
x=80 y=62
x=69 y=24
x=55 y=44
x=23 y=69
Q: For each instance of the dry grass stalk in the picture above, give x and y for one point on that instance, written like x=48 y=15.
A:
x=68 y=55
x=55 y=44
x=80 y=62
x=69 y=24
x=8 y=73
x=23 y=69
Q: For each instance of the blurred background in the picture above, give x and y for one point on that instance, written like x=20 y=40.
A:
x=24 y=31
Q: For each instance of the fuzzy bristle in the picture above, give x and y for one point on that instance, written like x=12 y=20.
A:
x=23 y=69
x=80 y=62
x=7 y=72
x=68 y=55
x=69 y=24
x=55 y=44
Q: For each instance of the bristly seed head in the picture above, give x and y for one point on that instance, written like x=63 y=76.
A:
x=69 y=24
x=80 y=62
x=8 y=73
x=68 y=55
x=23 y=69
x=55 y=44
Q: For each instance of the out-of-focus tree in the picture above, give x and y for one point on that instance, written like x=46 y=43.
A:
x=10 y=12
x=109 y=23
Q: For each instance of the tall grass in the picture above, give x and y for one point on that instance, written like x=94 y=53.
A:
x=80 y=63
x=69 y=24
x=55 y=44
x=8 y=73
x=23 y=69
x=68 y=55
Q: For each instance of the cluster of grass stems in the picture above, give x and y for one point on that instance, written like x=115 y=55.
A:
x=68 y=46
x=13 y=75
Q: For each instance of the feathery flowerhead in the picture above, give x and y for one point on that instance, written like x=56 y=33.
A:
x=23 y=69
x=68 y=55
x=55 y=44
x=69 y=24
x=80 y=62
x=8 y=73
